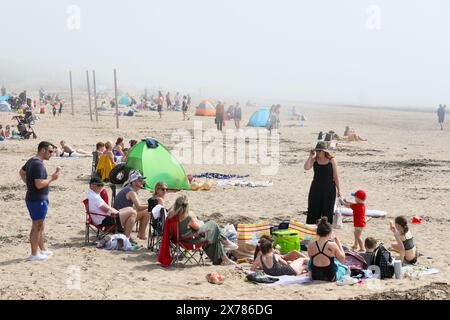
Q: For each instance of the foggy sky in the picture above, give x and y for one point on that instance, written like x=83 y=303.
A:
x=315 y=51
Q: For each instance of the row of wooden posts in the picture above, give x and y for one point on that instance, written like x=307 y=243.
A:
x=95 y=95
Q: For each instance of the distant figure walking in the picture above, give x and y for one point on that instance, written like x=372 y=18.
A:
x=168 y=101
x=220 y=113
x=185 y=108
x=441 y=115
x=54 y=111
x=60 y=108
x=237 y=115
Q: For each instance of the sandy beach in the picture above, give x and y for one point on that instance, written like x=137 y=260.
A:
x=404 y=167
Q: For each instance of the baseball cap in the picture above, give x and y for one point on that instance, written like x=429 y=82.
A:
x=96 y=180
x=136 y=176
x=360 y=194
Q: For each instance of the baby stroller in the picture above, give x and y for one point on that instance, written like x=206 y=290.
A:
x=24 y=125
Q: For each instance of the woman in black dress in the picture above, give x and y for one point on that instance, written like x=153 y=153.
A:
x=325 y=184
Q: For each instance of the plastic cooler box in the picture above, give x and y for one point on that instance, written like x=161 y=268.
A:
x=287 y=239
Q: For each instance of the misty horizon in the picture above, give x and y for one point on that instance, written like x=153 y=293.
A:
x=355 y=52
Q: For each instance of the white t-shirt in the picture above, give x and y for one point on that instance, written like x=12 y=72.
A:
x=95 y=202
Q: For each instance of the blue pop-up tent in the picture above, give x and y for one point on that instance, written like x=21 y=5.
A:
x=4 y=98
x=259 y=118
x=124 y=100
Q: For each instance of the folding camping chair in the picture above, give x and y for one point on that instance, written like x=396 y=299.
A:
x=155 y=230
x=100 y=230
x=181 y=249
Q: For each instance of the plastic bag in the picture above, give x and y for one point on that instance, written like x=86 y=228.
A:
x=337 y=219
x=230 y=232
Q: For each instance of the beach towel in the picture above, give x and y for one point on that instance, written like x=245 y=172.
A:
x=104 y=166
x=164 y=256
x=306 y=232
x=283 y=280
x=215 y=175
x=244 y=183
x=250 y=233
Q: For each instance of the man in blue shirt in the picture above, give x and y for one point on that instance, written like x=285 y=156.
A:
x=34 y=174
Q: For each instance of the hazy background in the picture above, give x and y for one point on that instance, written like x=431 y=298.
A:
x=314 y=51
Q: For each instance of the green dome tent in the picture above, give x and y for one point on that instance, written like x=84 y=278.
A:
x=156 y=162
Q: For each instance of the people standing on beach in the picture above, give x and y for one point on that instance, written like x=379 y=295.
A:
x=359 y=217
x=441 y=115
x=177 y=99
x=220 y=113
x=189 y=100
x=168 y=101
x=60 y=108
x=237 y=115
x=184 y=108
x=160 y=104
x=54 y=110
x=325 y=184
x=34 y=174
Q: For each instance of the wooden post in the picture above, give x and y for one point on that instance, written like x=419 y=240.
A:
x=89 y=94
x=71 y=90
x=117 y=99
x=95 y=96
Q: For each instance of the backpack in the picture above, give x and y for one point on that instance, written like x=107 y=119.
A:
x=382 y=258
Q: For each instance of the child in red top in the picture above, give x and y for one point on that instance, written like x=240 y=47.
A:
x=359 y=217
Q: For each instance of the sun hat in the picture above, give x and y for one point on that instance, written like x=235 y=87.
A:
x=322 y=145
x=360 y=194
x=136 y=176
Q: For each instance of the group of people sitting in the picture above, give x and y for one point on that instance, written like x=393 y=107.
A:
x=326 y=256
x=107 y=156
x=128 y=209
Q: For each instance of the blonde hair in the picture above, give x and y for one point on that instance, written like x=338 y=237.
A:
x=159 y=185
x=181 y=207
x=108 y=145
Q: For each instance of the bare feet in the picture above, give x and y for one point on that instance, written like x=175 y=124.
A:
x=142 y=237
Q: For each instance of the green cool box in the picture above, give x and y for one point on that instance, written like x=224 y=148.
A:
x=287 y=239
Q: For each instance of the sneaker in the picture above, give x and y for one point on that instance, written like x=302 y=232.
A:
x=47 y=252
x=37 y=257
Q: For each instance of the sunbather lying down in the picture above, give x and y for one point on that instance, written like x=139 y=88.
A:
x=67 y=149
x=349 y=135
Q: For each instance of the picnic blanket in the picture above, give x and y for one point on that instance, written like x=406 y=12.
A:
x=244 y=183
x=282 y=280
x=215 y=175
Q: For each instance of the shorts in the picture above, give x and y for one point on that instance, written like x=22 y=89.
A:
x=37 y=208
x=359 y=229
x=110 y=221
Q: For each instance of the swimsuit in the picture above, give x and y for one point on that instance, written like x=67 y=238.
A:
x=278 y=269
x=327 y=273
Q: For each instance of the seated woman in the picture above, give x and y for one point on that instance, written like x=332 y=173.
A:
x=326 y=255
x=218 y=244
x=65 y=148
x=290 y=256
x=350 y=135
x=2 y=133
x=405 y=244
x=118 y=148
x=274 y=265
x=8 y=132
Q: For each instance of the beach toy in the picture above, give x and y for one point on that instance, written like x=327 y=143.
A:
x=416 y=219
x=287 y=240
x=215 y=278
x=348 y=212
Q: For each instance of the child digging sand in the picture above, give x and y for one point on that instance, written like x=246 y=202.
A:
x=359 y=217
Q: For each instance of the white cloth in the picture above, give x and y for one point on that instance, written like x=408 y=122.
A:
x=95 y=202
x=244 y=183
x=113 y=243
x=156 y=211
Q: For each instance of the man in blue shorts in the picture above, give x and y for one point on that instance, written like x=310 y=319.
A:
x=34 y=174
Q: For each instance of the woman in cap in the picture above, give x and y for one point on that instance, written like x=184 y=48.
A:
x=325 y=184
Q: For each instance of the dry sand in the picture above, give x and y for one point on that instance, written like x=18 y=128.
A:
x=404 y=168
